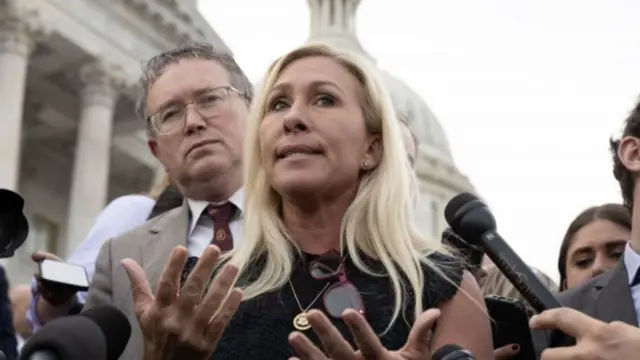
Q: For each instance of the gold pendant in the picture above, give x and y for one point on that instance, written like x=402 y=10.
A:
x=300 y=322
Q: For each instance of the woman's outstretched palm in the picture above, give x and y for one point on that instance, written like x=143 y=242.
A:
x=184 y=323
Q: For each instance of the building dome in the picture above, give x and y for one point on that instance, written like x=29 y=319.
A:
x=431 y=138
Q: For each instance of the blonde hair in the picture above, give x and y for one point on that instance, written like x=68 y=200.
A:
x=379 y=220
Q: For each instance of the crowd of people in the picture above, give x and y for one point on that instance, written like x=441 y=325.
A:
x=285 y=228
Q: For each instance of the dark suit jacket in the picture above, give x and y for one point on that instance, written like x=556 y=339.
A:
x=606 y=297
x=8 y=342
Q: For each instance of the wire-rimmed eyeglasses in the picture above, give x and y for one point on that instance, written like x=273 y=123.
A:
x=209 y=104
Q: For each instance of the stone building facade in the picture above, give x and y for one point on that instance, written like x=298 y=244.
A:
x=69 y=138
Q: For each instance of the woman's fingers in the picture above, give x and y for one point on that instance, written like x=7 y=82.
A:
x=506 y=352
x=221 y=319
x=305 y=349
x=216 y=294
x=169 y=281
x=140 y=288
x=418 y=340
x=332 y=341
x=367 y=340
x=193 y=289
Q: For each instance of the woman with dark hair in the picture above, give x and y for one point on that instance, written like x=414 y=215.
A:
x=593 y=243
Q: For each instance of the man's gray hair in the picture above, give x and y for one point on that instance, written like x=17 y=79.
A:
x=154 y=68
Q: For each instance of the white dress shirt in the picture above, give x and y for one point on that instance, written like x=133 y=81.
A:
x=201 y=225
x=632 y=265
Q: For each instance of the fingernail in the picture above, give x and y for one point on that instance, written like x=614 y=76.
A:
x=515 y=347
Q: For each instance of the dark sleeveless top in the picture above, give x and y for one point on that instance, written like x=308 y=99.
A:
x=261 y=326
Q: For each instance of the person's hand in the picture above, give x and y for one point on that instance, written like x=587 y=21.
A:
x=336 y=347
x=184 y=323
x=506 y=352
x=594 y=339
x=54 y=294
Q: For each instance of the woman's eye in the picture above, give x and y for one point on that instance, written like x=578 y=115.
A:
x=616 y=254
x=277 y=105
x=325 y=101
x=583 y=263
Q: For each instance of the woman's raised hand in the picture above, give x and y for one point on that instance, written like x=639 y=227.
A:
x=370 y=348
x=184 y=323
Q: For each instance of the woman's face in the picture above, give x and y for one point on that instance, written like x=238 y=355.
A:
x=594 y=249
x=313 y=138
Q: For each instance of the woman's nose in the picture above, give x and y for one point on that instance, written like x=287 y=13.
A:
x=295 y=121
x=599 y=266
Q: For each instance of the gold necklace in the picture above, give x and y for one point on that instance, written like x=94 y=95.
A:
x=300 y=321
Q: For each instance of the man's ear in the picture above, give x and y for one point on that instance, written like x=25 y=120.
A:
x=629 y=153
x=153 y=146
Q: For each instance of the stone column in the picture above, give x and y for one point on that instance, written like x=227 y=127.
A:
x=90 y=181
x=17 y=34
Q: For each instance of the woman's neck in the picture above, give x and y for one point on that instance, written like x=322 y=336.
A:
x=315 y=229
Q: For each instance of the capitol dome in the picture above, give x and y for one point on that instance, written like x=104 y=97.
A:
x=424 y=124
x=333 y=22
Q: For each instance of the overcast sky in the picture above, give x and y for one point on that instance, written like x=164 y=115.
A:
x=528 y=92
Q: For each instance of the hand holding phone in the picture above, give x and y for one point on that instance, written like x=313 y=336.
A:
x=510 y=325
x=59 y=281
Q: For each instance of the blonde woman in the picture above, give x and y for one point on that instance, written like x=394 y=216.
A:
x=330 y=256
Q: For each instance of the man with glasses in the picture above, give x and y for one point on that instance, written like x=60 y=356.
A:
x=195 y=104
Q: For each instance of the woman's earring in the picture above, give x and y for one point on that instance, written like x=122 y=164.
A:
x=365 y=164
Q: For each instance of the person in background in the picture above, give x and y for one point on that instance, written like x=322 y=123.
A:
x=593 y=243
x=121 y=215
x=8 y=341
x=195 y=102
x=613 y=296
x=20 y=296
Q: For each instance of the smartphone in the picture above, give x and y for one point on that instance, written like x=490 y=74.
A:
x=510 y=325
x=62 y=273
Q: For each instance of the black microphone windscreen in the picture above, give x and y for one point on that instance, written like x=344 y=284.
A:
x=114 y=326
x=70 y=338
x=456 y=203
x=444 y=352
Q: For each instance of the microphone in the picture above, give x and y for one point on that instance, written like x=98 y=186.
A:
x=114 y=326
x=470 y=218
x=100 y=333
x=452 y=352
x=67 y=338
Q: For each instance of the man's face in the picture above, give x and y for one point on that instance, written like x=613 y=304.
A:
x=201 y=118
